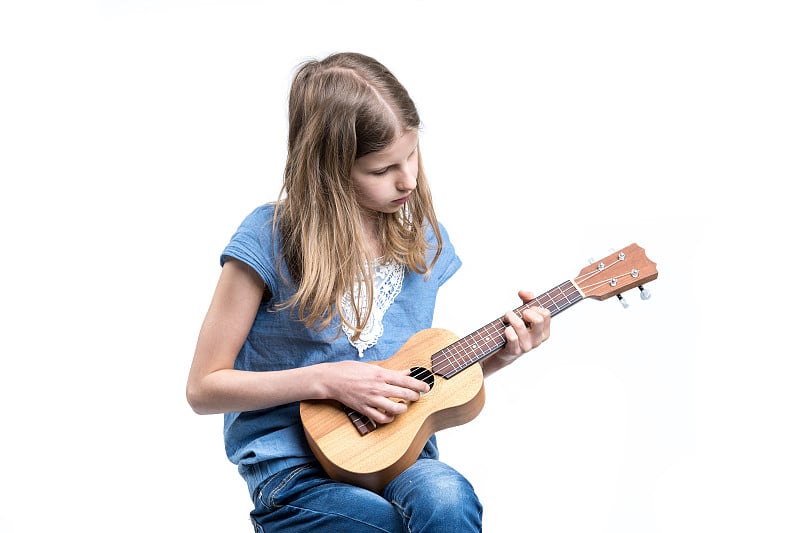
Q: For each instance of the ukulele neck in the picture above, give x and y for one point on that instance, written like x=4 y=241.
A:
x=485 y=341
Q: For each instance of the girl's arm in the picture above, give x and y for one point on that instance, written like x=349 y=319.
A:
x=215 y=387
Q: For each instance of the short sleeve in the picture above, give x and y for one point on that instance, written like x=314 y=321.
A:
x=448 y=262
x=253 y=243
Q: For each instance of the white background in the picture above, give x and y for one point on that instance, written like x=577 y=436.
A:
x=135 y=136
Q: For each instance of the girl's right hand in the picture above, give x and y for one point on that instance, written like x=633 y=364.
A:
x=377 y=392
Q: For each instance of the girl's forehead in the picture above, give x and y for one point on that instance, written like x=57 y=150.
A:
x=402 y=145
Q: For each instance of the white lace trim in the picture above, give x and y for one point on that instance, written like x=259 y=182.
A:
x=387 y=282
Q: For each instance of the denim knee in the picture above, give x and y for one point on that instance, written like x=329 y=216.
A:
x=432 y=496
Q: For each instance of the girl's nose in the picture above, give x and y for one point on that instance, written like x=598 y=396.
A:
x=407 y=181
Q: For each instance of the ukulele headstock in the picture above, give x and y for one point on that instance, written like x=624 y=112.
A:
x=622 y=270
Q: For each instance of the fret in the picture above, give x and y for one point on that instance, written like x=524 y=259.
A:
x=485 y=341
x=363 y=423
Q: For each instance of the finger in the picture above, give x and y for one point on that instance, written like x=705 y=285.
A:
x=417 y=385
x=527 y=330
x=534 y=319
x=391 y=407
x=543 y=321
x=513 y=319
x=402 y=393
x=376 y=415
x=382 y=410
x=526 y=296
x=512 y=338
x=406 y=381
x=538 y=320
x=516 y=327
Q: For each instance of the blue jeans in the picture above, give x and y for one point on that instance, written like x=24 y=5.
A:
x=429 y=496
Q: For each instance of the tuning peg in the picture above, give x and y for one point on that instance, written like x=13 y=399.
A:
x=622 y=301
x=644 y=294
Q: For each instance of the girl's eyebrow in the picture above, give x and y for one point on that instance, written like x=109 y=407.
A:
x=382 y=169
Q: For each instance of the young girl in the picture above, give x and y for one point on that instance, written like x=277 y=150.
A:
x=342 y=270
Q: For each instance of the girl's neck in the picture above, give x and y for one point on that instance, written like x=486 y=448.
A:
x=372 y=237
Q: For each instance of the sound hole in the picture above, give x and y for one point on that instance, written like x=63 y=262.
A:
x=423 y=374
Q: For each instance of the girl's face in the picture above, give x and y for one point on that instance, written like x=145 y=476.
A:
x=385 y=180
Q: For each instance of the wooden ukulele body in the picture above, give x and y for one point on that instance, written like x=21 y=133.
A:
x=374 y=459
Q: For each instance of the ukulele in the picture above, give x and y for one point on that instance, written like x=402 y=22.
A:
x=353 y=449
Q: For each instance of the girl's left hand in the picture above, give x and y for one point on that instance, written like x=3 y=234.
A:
x=522 y=334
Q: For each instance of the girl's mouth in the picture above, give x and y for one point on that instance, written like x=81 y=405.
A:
x=401 y=201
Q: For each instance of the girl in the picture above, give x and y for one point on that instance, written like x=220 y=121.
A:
x=343 y=269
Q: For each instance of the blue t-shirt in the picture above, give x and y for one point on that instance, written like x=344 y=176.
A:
x=264 y=441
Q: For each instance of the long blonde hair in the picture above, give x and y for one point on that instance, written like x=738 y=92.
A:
x=341 y=108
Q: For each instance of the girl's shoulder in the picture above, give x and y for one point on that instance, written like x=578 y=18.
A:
x=256 y=244
x=260 y=216
x=449 y=261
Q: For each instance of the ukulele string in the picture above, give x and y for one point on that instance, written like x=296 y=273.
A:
x=490 y=338
x=586 y=286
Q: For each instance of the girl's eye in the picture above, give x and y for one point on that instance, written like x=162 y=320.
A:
x=381 y=171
